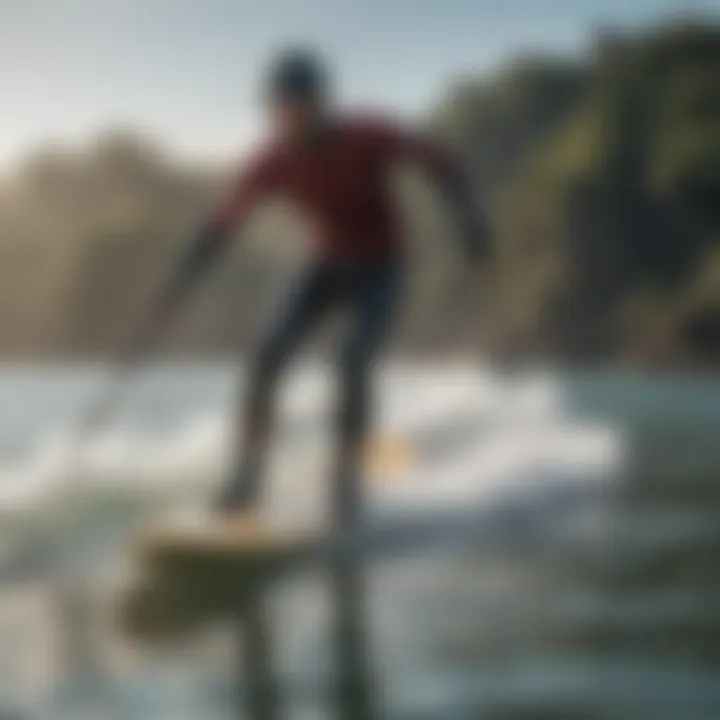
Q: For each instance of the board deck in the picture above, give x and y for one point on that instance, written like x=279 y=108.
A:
x=191 y=572
x=188 y=575
x=244 y=537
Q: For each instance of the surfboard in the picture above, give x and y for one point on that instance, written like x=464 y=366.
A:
x=188 y=572
x=186 y=575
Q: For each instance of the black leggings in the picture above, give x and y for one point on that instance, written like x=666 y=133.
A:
x=370 y=295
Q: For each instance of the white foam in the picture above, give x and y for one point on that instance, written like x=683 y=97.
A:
x=523 y=434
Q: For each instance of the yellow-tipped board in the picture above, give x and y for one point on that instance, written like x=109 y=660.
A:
x=189 y=574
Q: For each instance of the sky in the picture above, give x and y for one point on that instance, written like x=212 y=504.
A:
x=187 y=70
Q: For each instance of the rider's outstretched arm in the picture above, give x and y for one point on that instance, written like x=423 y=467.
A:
x=452 y=181
x=201 y=251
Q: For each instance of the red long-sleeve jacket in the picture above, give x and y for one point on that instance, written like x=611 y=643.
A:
x=342 y=185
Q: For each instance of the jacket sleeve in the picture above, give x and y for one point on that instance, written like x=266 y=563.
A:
x=206 y=245
x=449 y=175
x=250 y=185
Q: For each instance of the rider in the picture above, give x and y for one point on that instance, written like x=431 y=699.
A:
x=335 y=168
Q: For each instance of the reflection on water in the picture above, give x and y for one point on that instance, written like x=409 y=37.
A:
x=573 y=599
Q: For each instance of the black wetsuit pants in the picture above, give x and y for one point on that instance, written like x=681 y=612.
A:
x=368 y=295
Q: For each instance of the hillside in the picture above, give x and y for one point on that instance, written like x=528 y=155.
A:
x=604 y=181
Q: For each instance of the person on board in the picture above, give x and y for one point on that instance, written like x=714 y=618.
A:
x=334 y=166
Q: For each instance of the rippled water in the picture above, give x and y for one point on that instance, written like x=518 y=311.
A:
x=581 y=582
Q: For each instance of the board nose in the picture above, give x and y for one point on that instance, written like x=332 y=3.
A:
x=386 y=457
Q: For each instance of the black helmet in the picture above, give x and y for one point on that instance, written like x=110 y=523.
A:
x=298 y=73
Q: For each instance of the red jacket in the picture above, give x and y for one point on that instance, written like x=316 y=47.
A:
x=342 y=185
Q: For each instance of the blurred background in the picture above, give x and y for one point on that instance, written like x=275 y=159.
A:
x=572 y=404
